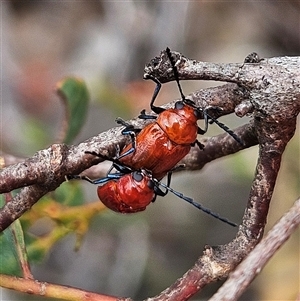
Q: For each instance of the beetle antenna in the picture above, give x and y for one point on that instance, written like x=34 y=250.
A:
x=175 y=71
x=197 y=205
x=190 y=102
x=225 y=128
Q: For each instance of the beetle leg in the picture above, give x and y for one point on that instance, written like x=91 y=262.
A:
x=129 y=128
x=158 y=190
x=111 y=176
x=131 y=131
x=143 y=115
x=199 y=144
x=206 y=121
x=154 y=108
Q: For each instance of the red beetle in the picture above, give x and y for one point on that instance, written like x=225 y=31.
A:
x=159 y=146
x=128 y=191
x=125 y=191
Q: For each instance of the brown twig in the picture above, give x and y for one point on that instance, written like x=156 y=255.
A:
x=243 y=275
x=45 y=289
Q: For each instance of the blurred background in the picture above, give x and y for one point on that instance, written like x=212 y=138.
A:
x=107 y=43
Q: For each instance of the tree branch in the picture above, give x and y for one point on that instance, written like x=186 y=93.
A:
x=275 y=107
x=45 y=289
x=243 y=275
x=273 y=84
x=217 y=262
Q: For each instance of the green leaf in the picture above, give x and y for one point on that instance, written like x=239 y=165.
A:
x=9 y=263
x=2 y=201
x=8 y=255
x=18 y=236
x=75 y=96
x=13 y=254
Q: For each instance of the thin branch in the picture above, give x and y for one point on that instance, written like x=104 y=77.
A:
x=45 y=289
x=244 y=274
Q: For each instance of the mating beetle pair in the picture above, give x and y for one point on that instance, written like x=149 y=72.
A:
x=153 y=153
